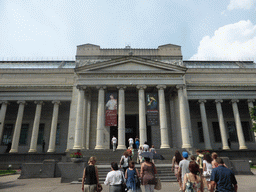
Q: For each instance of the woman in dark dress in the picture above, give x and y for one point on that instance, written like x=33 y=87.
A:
x=130 y=175
x=90 y=176
x=147 y=173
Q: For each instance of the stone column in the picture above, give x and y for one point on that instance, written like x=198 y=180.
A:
x=78 y=140
x=88 y=121
x=100 y=118
x=183 y=119
x=52 y=141
x=239 y=128
x=33 y=143
x=84 y=122
x=250 y=105
x=163 y=118
x=2 y=117
x=16 y=134
x=223 y=132
x=121 y=118
x=142 y=114
x=207 y=141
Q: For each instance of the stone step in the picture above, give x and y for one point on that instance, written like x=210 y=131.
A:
x=164 y=172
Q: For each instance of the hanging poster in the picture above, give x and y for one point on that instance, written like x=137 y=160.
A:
x=111 y=109
x=152 y=109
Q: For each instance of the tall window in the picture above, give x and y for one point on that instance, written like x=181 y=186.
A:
x=23 y=134
x=7 y=134
x=216 y=131
x=200 y=132
x=232 y=131
x=246 y=130
x=40 y=134
x=57 y=141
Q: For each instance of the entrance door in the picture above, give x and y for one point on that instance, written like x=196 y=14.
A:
x=131 y=128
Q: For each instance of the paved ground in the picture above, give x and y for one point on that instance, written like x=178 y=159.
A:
x=12 y=184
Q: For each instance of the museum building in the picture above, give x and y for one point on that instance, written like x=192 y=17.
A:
x=152 y=94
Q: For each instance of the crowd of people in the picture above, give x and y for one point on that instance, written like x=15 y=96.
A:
x=194 y=173
x=206 y=170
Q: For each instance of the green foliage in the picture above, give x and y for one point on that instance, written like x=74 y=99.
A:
x=6 y=172
x=253 y=117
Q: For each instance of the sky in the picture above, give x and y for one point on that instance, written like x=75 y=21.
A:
x=205 y=29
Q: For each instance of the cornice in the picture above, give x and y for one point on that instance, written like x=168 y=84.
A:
x=37 y=71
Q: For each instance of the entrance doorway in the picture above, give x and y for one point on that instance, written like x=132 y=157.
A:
x=131 y=130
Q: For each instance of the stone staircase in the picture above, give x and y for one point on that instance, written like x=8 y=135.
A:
x=105 y=157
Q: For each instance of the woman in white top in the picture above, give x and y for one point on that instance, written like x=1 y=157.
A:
x=207 y=169
x=124 y=161
x=114 y=178
x=145 y=147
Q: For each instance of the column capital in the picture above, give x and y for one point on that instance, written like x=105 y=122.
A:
x=121 y=87
x=202 y=101
x=161 y=87
x=101 y=87
x=81 y=87
x=234 y=101
x=180 y=87
x=4 y=102
x=250 y=100
x=56 y=102
x=39 y=102
x=141 y=87
x=218 y=101
x=21 y=102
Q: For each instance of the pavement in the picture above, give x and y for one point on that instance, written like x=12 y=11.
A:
x=11 y=183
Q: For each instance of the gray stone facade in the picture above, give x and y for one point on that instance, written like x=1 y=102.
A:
x=76 y=86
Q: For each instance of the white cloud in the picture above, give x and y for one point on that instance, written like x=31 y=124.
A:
x=240 y=4
x=231 y=42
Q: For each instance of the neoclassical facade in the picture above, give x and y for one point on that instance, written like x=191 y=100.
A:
x=55 y=106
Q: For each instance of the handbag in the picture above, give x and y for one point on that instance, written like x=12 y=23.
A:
x=158 y=184
x=122 y=161
x=137 y=179
x=99 y=188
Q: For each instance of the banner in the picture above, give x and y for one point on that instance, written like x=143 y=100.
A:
x=152 y=109
x=111 y=109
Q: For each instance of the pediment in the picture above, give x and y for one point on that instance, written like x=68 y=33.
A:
x=130 y=64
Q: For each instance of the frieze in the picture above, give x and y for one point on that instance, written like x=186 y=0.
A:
x=134 y=76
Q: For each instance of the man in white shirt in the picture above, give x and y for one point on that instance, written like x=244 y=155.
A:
x=130 y=142
x=114 y=141
x=114 y=178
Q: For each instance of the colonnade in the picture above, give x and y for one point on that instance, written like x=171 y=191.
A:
x=223 y=132
x=121 y=117
x=35 y=130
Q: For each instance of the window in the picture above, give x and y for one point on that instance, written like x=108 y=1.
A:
x=216 y=131
x=200 y=132
x=246 y=130
x=23 y=134
x=7 y=134
x=57 y=141
x=40 y=134
x=232 y=131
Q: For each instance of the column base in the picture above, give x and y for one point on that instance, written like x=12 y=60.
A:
x=99 y=147
x=226 y=148
x=186 y=146
x=13 y=151
x=50 y=151
x=77 y=147
x=243 y=147
x=164 y=146
x=32 y=151
x=121 y=147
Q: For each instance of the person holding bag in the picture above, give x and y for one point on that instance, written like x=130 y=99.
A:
x=147 y=173
x=90 y=181
x=124 y=161
x=132 y=178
